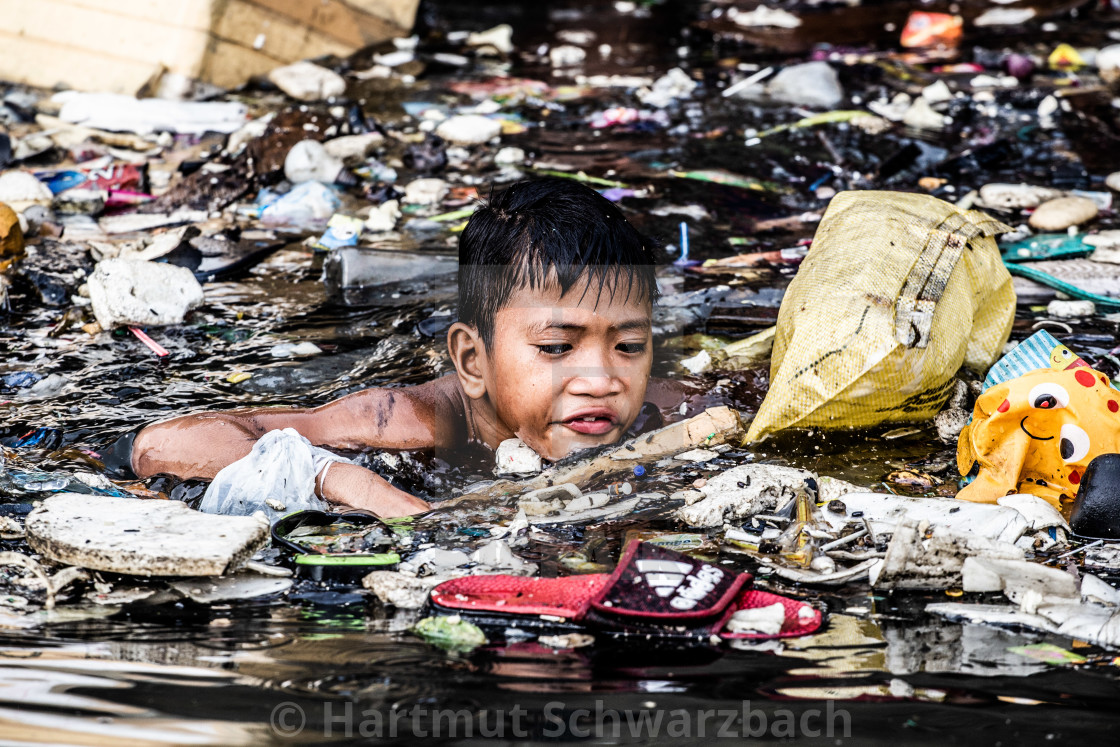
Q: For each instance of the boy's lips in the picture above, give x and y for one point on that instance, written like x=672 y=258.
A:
x=592 y=421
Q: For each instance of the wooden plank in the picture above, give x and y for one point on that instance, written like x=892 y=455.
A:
x=35 y=62
x=329 y=17
x=117 y=45
x=229 y=65
x=358 y=22
x=400 y=13
x=70 y=28
x=714 y=426
x=282 y=39
x=177 y=14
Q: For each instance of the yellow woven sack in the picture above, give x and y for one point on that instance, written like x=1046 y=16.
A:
x=897 y=292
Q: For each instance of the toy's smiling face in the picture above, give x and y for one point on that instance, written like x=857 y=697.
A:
x=1062 y=358
x=1037 y=433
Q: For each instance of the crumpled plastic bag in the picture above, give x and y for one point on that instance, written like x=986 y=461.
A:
x=896 y=293
x=276 y=477
x=1038 y=432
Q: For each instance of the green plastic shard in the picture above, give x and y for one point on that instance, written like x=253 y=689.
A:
x=841 y=115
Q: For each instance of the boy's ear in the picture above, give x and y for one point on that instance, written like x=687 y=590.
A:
x=468 y=354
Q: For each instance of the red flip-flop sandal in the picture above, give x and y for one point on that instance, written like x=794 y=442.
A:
x=653 y=592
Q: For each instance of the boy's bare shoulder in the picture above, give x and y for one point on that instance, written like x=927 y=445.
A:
x=426 y=415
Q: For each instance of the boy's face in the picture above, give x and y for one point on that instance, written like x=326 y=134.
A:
x=569 y=372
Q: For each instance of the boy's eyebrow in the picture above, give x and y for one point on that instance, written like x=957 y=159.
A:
x=627 y=326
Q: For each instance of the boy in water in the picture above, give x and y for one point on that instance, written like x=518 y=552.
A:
x=553 y=346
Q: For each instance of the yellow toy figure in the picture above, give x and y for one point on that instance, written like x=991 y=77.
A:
x=1037 y=433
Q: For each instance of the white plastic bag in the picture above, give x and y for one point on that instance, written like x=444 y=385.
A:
x=276 y=477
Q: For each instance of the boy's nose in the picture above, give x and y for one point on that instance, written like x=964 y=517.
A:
x=593 y=376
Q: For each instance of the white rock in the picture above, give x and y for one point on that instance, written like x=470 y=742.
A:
x=764 y=620
x=513 y=457
x=510 y=156
x=1108 y=63
x=126 y=292
x=1112 y=181
x=1060 y=309
x=697 y=455
x=1060 y=214
x=689 y=496
x=765 y=17
x=400 y=590
x=384 y=217
x=294 y=350
x=238 y=586
x=742 y=491
x=566 y=55
x=19 y=189
x=894 y=110
x=308 y=161
x=428 y=191
x=251 y=130
x=353 y=149
x=669 y=87
x=949 y=424
x=500 y=38
x=1016 y=196
x=141 y=537
x=469 y=129
x=937 y=92
x=832 y=488
x=808 y=84
x=307 y=81
x=698 y=363
x=433 y=560
x=921 y=116
x=1047 y=108
x=1004 y=16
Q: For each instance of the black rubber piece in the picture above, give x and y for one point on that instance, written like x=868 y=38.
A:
x=1096 y=512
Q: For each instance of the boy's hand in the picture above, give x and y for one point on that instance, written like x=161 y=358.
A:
x=351 y=485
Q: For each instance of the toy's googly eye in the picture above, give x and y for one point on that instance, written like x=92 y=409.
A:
x=1048 y=396
x=1074 y=443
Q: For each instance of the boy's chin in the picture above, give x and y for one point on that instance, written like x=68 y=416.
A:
x=569 y=442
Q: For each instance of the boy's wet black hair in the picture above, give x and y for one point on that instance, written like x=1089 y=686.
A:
x=549 y=230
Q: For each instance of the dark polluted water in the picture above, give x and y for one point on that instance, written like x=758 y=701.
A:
x=331 y=664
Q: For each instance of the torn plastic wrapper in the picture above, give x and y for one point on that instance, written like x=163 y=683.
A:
x=342 y=230
x=896 y=293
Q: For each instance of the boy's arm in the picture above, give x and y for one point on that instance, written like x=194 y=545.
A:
x=420 y=417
